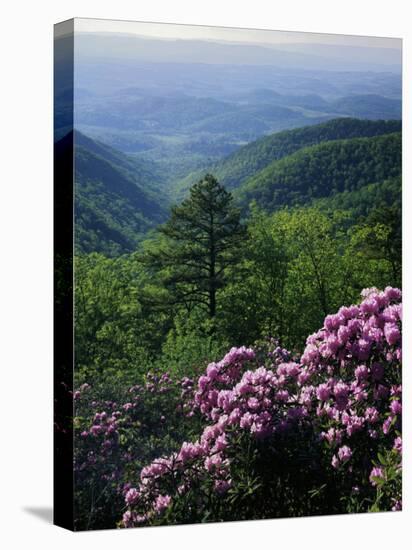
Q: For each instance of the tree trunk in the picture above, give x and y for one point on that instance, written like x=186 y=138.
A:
x=212 y=271
x=212 y=301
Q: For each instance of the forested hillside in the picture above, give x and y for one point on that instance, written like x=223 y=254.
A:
x=117 y=199
x=244 y=163
x=323 y=170
x=359 y=203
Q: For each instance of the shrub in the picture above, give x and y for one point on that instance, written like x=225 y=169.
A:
x=289 y=437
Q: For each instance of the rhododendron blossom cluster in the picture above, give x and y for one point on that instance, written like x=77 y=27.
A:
x=344 y=393
x=114 y=436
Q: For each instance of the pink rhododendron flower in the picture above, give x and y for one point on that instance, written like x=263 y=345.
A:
x=398 y=445
x=162 y=502
x=323 y=392
x=340 y=391
x=396 y=407
x=335 y=462
x=344 y=453
x=132 y=496
x=392 y=333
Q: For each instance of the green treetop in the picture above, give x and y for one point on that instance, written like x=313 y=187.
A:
x=202 y=240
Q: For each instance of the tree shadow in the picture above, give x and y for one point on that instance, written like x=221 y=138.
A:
x=44 y=513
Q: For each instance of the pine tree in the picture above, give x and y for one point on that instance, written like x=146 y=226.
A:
x=203 y=238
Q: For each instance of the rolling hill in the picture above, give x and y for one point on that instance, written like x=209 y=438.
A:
x=323 y=170
x=116 y=199
x=370 y=106
x=119 y=198
x=245 y=162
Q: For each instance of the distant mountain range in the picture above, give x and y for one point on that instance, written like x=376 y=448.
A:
x=297 y=55
x=181 y=133
x=180 y=106
x=254 y=113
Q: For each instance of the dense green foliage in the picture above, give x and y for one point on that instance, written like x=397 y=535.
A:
x=323 y=170
x=250 y=159
x=155 y=305
x=116 y=199
x=362 y=201
x=308 y=259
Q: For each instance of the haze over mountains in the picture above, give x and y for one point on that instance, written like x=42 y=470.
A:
x=184 y=104
x=153 y=115
x=302 y=55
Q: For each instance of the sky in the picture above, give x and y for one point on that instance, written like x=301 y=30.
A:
x=198 y=32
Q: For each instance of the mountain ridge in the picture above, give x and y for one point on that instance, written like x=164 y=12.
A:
x=324 y=169
x=237 y=167
x=114 y=205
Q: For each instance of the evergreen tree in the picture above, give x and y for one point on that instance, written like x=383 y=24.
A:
x=202 y=241
x=382 y=238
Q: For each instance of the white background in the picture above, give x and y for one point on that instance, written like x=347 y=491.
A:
x=26 y=271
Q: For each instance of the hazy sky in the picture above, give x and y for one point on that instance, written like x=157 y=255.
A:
x=173 y=31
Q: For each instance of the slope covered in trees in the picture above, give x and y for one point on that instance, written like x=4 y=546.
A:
x=244 y=163
x=323 y=170
x=119 y=199
x=363 y=201
x=116 y=199
x=143 y=172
